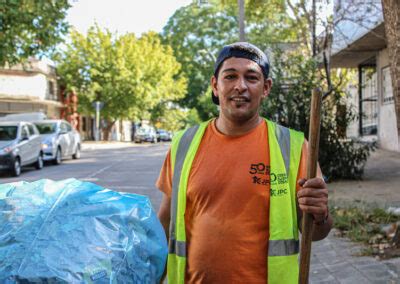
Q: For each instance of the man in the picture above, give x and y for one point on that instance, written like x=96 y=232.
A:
x=234 y=186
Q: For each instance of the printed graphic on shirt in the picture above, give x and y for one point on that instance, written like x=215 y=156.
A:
x=261 y=175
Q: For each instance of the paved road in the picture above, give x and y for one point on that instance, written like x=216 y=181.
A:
x=134 y=168
x=124 y=167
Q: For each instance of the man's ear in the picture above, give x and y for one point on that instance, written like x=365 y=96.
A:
x=267 y=87
x=214 y=85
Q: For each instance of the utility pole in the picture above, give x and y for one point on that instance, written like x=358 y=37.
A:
x=242 y=35
x=314 y=23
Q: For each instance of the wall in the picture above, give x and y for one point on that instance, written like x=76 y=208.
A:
x=352 y=103
x=121 y=131
x=32 y=86
x=387 y=130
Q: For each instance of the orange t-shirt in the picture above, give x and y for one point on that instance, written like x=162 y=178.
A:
x=227 y=210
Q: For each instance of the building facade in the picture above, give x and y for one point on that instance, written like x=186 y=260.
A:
x=359 y=42
x=31 y=87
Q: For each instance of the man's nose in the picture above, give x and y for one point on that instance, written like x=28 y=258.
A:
x=241 y=85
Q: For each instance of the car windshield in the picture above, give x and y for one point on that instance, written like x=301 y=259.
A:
x=8 y=133
x=46 y=128
x=143 y=130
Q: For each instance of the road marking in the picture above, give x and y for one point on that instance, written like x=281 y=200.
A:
x=99 y=171
x=90 y=179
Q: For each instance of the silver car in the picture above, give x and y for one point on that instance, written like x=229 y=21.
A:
x=146 y=134
x=20 y=145
x=59 y=140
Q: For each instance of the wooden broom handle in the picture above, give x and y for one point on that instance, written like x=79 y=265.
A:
x=312 y=159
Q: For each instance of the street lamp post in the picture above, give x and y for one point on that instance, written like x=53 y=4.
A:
x=98 y=106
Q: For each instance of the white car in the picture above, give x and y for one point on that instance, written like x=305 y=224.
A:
x=20 y=145
x=59 y=140
x=146 y=134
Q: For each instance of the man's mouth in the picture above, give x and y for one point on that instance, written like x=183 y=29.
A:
x=240 y=99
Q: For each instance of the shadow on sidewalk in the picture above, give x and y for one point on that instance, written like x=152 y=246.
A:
x=380 y=185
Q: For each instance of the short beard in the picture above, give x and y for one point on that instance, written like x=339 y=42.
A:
x=239 y=119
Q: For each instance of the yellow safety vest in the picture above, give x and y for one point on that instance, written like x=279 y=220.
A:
x=283 y=247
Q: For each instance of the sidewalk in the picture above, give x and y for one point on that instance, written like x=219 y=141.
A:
x=334 y=259
x=380 y=185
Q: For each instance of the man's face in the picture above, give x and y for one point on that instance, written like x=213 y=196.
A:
x=240 y=88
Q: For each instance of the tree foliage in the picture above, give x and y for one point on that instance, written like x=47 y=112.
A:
x=176 y=118
x=196 y=34
x=130 y=75
x=266 y=21
x=29 y=28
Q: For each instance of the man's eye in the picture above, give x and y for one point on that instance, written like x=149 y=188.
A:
x=252 y=78
x=229 y=77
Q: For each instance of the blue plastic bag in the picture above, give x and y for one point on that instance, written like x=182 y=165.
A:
x=78 y=232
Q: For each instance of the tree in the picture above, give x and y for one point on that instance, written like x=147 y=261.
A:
x=130 y=76
x=391 y=13
x=28 y=28
x=175 y=118
x=197 y=33
x=267 y=21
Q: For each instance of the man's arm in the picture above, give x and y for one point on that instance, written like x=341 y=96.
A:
x=313 y=198
x=164 y=214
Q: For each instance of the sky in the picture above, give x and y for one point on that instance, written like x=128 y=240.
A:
x=123 y=16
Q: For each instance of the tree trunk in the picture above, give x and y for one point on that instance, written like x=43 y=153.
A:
x=391 y=14
x=121 y=129
x=107 y=130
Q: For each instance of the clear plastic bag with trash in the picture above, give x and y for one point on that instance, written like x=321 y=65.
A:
x=78 y=232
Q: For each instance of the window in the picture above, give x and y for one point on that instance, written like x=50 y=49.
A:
x=31 y=130
x=24 y=132
x=51 y=88
x=46 y=128
x=387 y=91
x=8 y=133
x=68 y=127
x=63 y=127
x=369 y=102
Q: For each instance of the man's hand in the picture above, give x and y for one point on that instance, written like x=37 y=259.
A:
x=313 y=199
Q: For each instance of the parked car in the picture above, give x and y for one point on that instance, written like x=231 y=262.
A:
x=163 y=135
x=146 y=134
x=59 y=140
x=20 y=145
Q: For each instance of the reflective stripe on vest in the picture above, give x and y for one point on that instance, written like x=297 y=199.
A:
x=285 y=151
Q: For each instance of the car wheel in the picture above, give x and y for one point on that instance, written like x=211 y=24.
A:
x=39 y=162
x=16 y=170
x=57 y=159
x=77 y=154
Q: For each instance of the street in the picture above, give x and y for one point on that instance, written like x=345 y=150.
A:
x=128 y=167
x=134 y=168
